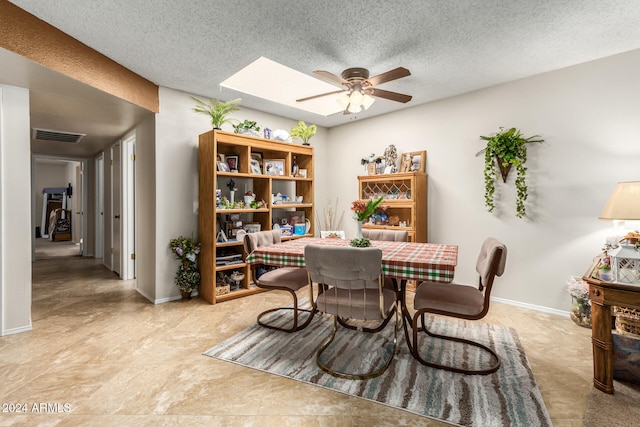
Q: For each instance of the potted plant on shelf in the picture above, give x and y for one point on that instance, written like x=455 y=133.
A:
x=217 y=110
x=187 y=278
x=506 y=148
x=247 y=127
x=303 y=132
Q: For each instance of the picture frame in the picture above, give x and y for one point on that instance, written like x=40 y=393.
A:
x=274 y=167
x=223 y=167
x=232 y=161
x=221 y=158
x=252 y=227
x=418 y=161
x=257 y=155
x=302 y=173
x=255 y=167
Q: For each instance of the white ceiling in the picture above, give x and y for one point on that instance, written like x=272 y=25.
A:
x=450 y=47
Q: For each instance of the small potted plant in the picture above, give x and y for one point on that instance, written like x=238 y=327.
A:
x=217 y=110
x=247 y=127
x=187 y=278
x=303 y=132
x=506 y=148
x=604 y=271
x=231 y=185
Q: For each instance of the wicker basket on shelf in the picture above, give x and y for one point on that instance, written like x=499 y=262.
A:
x=627 y=321
x=222 y=289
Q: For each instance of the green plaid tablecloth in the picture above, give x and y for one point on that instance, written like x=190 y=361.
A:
x=402 y=260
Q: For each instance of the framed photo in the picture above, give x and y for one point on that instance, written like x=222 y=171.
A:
x=252 y=227
x=274 y=167
x=302 y=173
x=257 y=156
x=418 y=160
x=220 y=158
x=232 y=161
x=223 y=167
x=255 y=167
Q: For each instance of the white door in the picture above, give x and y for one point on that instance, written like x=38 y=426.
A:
x=78 y=193
x=116 y=208
x=128 y=209
x=99 y=232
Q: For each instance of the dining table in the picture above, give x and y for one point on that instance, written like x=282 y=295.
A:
x=403 y=261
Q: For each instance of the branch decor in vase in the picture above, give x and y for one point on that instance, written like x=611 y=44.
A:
x=506 y=148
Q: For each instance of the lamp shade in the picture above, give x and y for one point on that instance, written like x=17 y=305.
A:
x=624 y=203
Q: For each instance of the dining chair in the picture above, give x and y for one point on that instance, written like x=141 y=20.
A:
x=350 y=287
x=289 y=279
x=387 y=235
x=460 y=301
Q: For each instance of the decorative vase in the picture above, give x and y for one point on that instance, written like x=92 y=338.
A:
x=249 y=199
x=581 y=312
x=232 y=196
x=359 y=229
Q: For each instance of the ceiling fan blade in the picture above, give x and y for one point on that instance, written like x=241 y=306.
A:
x=318 y=96
x=330 y=77
x=393 y=96
x=394 y=74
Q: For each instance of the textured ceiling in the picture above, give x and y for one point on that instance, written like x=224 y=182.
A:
x=451 y=47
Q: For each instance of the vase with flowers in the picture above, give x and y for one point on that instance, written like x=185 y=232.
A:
x=231 y=185
x=361 y=212
x=604 y=271
x=187 y=278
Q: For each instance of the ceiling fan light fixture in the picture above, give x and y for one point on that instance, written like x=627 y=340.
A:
x=343 y=100
x=356 y=98
x=354 y=108
x=367 y=101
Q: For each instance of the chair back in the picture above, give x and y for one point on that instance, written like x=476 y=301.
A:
x=491 y=262
x=344 y=267
x=262 y=238
x=388 y=235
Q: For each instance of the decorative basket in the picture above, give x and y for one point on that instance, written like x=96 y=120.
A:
x=627 y=321
x=222 y=289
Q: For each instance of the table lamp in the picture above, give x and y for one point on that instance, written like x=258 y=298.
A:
x=624 y=205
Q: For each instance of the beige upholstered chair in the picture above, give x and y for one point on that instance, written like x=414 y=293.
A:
x=285 y=279
x=461 y=301
x=350 y=287
x=388 y=235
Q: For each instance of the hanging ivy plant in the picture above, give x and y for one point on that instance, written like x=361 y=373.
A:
x=506 y=148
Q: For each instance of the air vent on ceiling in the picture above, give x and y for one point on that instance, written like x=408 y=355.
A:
x=55 y=135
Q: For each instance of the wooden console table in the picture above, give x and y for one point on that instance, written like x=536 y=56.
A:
x=603 y=296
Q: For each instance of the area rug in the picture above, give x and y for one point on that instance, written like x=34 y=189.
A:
x=509 y=397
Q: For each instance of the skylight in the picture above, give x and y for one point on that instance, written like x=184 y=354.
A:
x=275 y=82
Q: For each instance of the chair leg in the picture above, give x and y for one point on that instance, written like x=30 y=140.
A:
x=296 y=311
x=412 y=342
x=364 y=376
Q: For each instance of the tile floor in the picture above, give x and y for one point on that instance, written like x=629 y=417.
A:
x=112 y=358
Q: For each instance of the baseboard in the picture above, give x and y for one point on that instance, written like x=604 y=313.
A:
x=16 y=330
x=532 y=307
x=163 y=300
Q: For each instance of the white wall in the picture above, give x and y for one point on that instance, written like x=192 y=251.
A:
x=177 y=130
x=589 y=116
x=15 y=211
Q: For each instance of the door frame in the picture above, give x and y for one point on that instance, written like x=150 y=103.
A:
x=99 y=194
x=128 y=208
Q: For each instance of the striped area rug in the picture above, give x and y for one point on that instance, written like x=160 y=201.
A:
x=509 y=397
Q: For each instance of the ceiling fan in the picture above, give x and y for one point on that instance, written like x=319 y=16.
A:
x=359 y=89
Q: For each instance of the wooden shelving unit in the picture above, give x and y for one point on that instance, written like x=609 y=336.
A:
x=212 y=218
x=405 y=194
